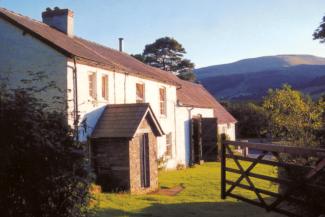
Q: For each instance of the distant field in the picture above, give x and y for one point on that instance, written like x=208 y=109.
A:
x=200 y=198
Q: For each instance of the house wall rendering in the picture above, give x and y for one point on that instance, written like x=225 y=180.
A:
x=183 y=130
x=229 y=129
x=121 y=90
x=116 y=78
x=22 y=55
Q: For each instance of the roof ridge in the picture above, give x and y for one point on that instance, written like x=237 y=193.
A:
x=24 y=16
x=87 y=49
x=128 y=104
x=97 y=53
x=96 y=43
x=123 y=53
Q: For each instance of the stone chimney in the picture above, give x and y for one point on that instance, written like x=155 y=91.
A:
x=61 y=19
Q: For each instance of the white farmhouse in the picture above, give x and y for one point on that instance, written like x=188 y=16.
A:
x=90 y=76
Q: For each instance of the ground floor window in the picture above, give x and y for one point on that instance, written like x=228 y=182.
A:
x=169 y=139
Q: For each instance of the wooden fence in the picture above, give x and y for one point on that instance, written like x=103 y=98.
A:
x=274 y=157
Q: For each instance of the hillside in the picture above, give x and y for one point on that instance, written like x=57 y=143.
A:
x=251 y=78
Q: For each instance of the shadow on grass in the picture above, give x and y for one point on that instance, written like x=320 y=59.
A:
x=199 y=209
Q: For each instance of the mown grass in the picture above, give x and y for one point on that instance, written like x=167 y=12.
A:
x=201 y=196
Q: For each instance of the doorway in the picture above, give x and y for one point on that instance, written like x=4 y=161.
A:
x=203 y=140
x=144 y=161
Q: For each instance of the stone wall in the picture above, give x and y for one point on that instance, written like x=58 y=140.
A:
x=135 y=170
x=110 y=159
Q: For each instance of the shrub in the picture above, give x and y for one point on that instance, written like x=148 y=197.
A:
x=43 y=171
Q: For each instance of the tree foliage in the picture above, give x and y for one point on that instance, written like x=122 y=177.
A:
x=251 y=119
x=168 y=54
x=43 y=171
x=319 y=33
x=292 y=117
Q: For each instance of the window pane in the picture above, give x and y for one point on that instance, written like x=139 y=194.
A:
x=92 y=85
x=169 y=144
x=140 y=93
x=162 y=98
x=105 y=87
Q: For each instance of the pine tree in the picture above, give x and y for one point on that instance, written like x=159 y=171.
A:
x=319 y=33
x=168 y=54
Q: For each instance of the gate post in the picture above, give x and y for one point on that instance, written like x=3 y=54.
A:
x=223 y=167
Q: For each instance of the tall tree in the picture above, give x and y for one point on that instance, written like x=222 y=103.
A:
x=319 y=33
x=168 y=54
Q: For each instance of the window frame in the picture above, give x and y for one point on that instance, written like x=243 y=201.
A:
x=163 y=101
x=105 y=86
x=142 y=100
x=169 y=144
x=92 y=85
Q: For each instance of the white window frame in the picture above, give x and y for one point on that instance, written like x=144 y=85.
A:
x=105 y=86
x=92 y=91
x=136 y=92
x=163 y=110
x=169 y=144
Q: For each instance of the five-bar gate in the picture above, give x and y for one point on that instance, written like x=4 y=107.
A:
x=270 y=154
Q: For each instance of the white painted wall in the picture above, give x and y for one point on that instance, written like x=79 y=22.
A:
x=122 y=89
x=184 y=115
x=22 y=54
x=228 y=129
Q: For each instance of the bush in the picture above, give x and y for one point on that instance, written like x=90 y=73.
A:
x=313 y=198
x=293 y=118
x=43 y=171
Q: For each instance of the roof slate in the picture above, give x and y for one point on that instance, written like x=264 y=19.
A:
x=75 y=46
x=188 y=93
x=191 y=94
x=123 y=120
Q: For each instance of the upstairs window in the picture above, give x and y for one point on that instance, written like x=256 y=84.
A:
x=140 y=93
x=162 y=100
x=92 y=85
x=105 y=87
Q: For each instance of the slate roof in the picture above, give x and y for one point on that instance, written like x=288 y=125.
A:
x=123 y=120
x=191 y=94
x=187 y=93
x=85 y=49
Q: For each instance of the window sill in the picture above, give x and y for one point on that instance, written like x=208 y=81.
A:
x=163 y=116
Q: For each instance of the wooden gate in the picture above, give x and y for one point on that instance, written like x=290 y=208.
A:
x=271 y=154
x=204 y=139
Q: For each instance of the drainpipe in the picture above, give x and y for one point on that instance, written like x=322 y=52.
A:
x=114 y=88
x=190 y=132
x=75 y=99
x=125 y=75
x=175 y=131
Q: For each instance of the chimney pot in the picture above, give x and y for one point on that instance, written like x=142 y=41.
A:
x=121 y=44
x=61 y=19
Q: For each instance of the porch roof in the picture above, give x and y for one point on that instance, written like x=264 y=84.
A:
x=123 y=120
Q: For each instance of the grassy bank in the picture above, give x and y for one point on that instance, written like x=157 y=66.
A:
x=200 y=197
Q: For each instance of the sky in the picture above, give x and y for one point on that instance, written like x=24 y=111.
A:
x=212 y=31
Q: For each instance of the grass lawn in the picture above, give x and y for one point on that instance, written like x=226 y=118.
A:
x=201 y=196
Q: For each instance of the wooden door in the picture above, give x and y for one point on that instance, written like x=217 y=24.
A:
x=209 y=139
x=144 y=161
x=204 y=140
x=196 y=141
